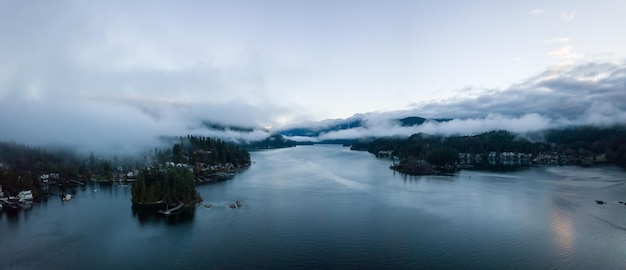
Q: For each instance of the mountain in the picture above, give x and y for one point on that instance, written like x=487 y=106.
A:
x=315 y=129
x=272 y=142
x=411 y=121
x=221 y=127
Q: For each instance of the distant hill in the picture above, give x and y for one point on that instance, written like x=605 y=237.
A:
x=272 y=142
x=314 y=131
x=411 y=121
x=221 y=127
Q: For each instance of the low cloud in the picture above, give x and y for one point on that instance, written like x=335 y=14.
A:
x=583 y=94
x=468 y=126
x=114 y=126
x=302 y=138
x=72 y=75
x=522 y=124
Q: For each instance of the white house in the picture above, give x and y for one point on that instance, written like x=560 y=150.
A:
x=25 y=195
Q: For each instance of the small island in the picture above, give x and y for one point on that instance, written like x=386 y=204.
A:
x=165 y=185
x=191 y=160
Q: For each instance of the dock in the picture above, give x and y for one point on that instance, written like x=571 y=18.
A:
x=76 y=182
x=6 y=202
x=170 y=211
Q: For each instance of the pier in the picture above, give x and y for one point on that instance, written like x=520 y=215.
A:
x=6 y=202
x=170 y=211
x=76 y=182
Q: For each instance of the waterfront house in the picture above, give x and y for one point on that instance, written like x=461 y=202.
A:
x=44 y=178
x=25 y=195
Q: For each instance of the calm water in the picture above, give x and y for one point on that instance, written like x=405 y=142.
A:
x=329 y=207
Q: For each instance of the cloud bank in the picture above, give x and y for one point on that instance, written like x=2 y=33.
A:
x=589 y=93
x=95 y=77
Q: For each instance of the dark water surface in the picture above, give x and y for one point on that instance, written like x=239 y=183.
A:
x=329 y=207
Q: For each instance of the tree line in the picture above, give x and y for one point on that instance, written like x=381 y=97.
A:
x=21 y=166
x=189 y=157
x=169 y=184
x=578 y=143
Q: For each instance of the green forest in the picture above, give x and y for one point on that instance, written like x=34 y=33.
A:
x=575 y=146
x=173 y=178
x=169 y=184
x=22 y=166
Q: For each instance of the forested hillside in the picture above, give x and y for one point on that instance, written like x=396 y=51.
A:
x=579 y=145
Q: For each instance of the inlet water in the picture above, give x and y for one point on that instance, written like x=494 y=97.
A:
x=329 y=207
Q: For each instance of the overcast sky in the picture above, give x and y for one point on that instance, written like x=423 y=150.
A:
x=121 y=72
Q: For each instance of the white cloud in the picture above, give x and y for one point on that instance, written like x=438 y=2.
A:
x=565 y=52
x=468 y=126
x=537 y=11
x=568 y=16
x=557 y=40
x=522 y=124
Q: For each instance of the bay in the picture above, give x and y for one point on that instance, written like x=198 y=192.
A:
x=325 y=206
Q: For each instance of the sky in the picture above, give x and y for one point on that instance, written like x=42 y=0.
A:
x=118 y=74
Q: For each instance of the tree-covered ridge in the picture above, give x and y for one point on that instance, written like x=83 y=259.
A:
x=272 y=142
x=419 y=146
x=172 y=179
x=580 y=145
x=24 y=167
x=205 y=153
x=169 y=184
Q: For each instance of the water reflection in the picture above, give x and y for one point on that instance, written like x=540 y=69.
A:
x=149 y=215
x=564 y=233
x=11 y=214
